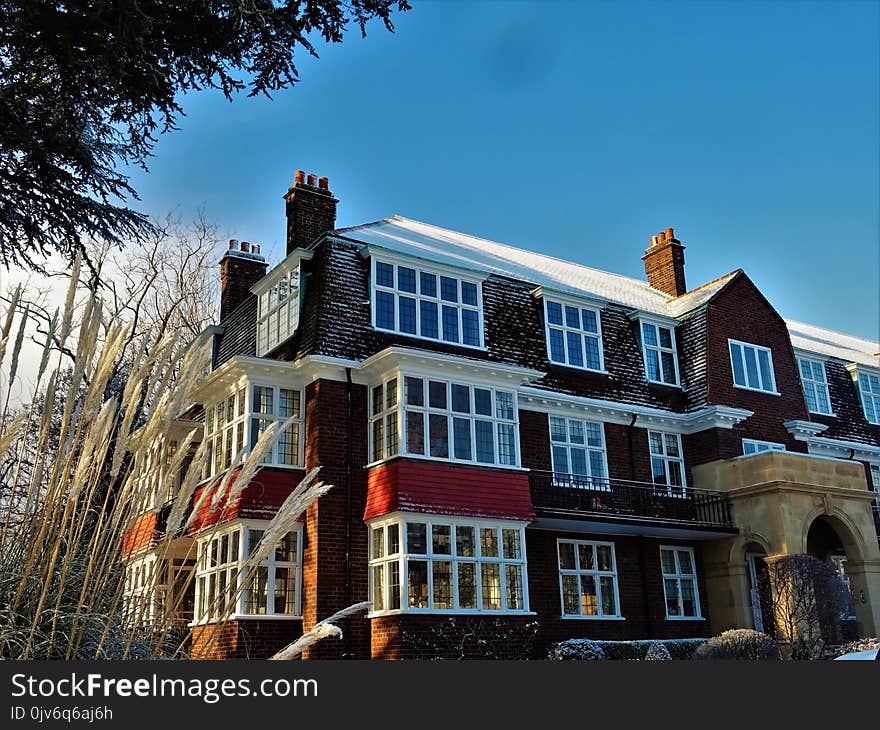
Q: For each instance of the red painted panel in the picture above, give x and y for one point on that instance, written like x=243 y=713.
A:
x=422 y=486
x=140 y=534
x=260 y=500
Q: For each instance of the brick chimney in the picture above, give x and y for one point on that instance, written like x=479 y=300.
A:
x=241 y=267
x=664 y=263
x=311 y=210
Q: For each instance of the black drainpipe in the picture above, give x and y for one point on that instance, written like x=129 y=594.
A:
x=643 y=563
x=349 y=426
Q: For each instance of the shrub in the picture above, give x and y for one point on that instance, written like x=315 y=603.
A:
x=636 y=650
x=581 y=649
x=658 y=653
x=742 y=644
x=857 y=645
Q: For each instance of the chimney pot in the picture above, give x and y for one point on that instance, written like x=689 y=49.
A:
x=670 y=234
x=323 y=183
x=312 y=179
x=245 y=246
x=233 y=244
x=299 y=176
x=255 y=248
x=661 y=237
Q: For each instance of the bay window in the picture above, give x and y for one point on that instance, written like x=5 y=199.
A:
x=680 y=582
x=234 y=424
x=667 y=462
x=578 y=453
x=815 y=386
x=752 y=367
x=441 y=419
x=422 y=563
x=574 y=335
x=273 y=587
x=658 y=351
x=424 y=303
x=588 y=579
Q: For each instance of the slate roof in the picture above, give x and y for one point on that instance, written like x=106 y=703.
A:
x=833 y=344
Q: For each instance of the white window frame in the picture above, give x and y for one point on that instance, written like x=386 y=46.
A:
x=678 y=576
x=278 y=316
x=271 y=458
x=595 y=573
x=237 y=534
x=874 y=470
x=659 y=349
x=756 y=349
x=870 y=397
x=384 y=422
x=566 y=477
x=814 y=386
x=418 y=297
x=402 y=558
x=579 y=331
x=403 y=411
x=141 y=602
x=669 y=489
x=760 y=447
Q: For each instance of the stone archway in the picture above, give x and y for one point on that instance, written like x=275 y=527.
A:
x=829 y=539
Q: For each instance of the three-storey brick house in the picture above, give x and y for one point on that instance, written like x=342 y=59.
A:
x=515 y=439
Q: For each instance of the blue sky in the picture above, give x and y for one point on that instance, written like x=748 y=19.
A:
x=578 y=130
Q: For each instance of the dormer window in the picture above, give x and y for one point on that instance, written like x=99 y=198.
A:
x=815 y=385
x=752 y=367
x=574 y=334
x=427 y=303
x=658 y=351
x=278 y=303
x=869 y=390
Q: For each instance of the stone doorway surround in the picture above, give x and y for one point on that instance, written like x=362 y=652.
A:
x=775 y=497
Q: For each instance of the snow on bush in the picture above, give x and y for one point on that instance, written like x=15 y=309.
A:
x=636 y=650
x=858 y=645
x=743 y=644
x=580 y=649
x=658 y=653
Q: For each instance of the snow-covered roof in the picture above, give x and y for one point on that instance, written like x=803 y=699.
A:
x=441 y=245
x=833 y=344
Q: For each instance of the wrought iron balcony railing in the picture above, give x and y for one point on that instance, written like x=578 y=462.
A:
x=588 y=496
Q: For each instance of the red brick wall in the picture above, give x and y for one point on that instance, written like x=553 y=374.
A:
x=437 y=488
x=664 y=266
x=311 y=212
x=243 y=638
x=237 y=276
x=640 y=586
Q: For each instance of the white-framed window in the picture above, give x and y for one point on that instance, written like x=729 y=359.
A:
x=274 y=587
x=278 y=312
x=815 y=386
x=869 y=390
x=875 y=475
x=588 y=579
x=752 y=367
x=442 y=419
x=658 y=351
x=667 y=462
x=680 y=582
x=753 y=446
x=425 y=303
x=578 y=453
x=234 y=424
x=574 y=335
x=452 y=565
x=141 y=603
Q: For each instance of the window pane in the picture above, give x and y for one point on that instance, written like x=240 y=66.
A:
x=467 y=585
x=491 y=585
x=415 y=432
x=671 y=588
x=461 y=430
x=609 y=603
x=572 y=318
x=416 y=537
x=513 y=574
x=822 y=401
x=604 y=558
x=407 y=315
x=570 y=595
x=668 y=361
x=589 y=602
x=285 y=590
x=406 y=279
x=591 y=345
x=378 y=439
x=288 y=403
x=566 y=556
x=575 y=351
x=393 y=585
x=393 y=539
x=658 y=470
x=470 y=328
x=428 y=323
x=378 y=399
x=667 y=561
x=685 y=564
x=427 y=285
x=418 y=583
x=483 y=402
x=439 y=435
x=751 y=367
x=464 y=541
x=257 y=593
x=488 y=542
x=649 y=334
x=461 y=398
x=391 y=393
x=378 y=581
x=557 y=429
x=585 y=557
x=672 y=445
x=557 y=348
x=579 y=462
x=652 y=364
x=766 y=371
x=442 y=570
x=511 y=543
x=469 y=293
x=384 y=310
x=450 y=324
x=597 y=465
x=436 y=394
x=415 y=392
x=560 y=460
x=665 y=337
x=262 y=400
x=448 y=289
x=688 y=598
x=739 y=377
x=285 y=551
x=506 y=444
x=554 y=313
x=590 y=321
x=441 y=539
x=655 y=441
x=384 y=274
x=378 y=542
x=485 y=442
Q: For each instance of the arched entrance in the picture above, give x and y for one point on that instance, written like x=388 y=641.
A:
x=824 y=542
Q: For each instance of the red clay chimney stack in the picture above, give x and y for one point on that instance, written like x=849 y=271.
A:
x=664 y=263
x=311 y=210
x=241 y=267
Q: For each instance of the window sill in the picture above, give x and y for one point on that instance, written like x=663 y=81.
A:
x=437 y=341
x=450 y=462
x=756 y=390
x=445 y=612
x=579 y=368
x=247 y=617
x=593 y=618
x=819 y=413
x=685 y=618
x=677 y=386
